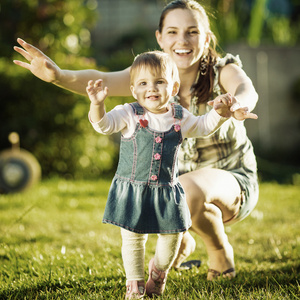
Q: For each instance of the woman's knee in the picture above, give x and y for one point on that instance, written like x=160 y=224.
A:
x=195 y=195
x=211 y=191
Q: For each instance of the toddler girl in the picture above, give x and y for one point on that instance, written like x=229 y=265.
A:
x=145 y=196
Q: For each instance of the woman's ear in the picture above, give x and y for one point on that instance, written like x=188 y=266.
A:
x=175 y=88
x=133 y=92
x=207 y=40
x=158 y=39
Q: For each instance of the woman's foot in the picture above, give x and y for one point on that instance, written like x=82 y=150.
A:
x=221 y=263
x=187 y=247
x=135 y=289
x=157 y=280
x=213 y=274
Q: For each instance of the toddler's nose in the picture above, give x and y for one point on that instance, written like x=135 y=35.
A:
x=152 y=86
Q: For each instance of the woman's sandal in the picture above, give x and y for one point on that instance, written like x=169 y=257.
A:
x=188 y=265
x=229 y=274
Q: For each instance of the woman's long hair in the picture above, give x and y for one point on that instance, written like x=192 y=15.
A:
x=204 y=85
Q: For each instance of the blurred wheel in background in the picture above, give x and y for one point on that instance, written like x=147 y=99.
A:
x=19 y=169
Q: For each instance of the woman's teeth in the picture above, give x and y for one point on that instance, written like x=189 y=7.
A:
x=182 y=51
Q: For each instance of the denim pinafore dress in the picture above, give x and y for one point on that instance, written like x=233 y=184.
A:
x=145 y=195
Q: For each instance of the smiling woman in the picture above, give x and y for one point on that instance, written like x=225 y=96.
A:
x=182 y=42
x=219 y=172
x=191 y=44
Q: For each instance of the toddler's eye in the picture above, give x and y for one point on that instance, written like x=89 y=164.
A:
x=143 y=83
x=160 y=82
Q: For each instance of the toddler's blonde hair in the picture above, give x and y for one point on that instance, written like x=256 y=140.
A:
x=155 y=60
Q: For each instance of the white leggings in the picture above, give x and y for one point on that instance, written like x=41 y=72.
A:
x=133 y=252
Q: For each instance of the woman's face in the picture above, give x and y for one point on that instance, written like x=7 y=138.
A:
x=183 y=37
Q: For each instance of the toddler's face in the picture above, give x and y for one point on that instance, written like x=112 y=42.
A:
x=153 y=89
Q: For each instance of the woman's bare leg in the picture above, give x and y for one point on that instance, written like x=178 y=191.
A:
x=213 y=197
x=187 y=247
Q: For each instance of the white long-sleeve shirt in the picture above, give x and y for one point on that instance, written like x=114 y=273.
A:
x=122 y=118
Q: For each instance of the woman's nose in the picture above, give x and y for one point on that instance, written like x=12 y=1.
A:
x=182 y=37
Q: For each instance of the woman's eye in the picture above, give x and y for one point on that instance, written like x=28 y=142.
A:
x=193 y=32
x=160 y=82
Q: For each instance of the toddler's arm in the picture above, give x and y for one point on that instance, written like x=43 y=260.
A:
x=97 y=95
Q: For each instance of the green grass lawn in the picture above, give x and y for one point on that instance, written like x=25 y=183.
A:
x=54 y=246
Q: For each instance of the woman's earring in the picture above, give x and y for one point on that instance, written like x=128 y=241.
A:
x=203 y=65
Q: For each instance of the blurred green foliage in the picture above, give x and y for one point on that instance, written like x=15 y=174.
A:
x=52 y=123
x=255 y=22
x=120 y=54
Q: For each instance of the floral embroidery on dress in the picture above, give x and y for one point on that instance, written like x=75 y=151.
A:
x=157 y=156
x=158 y=139
x=153 y=177
x=177 y=127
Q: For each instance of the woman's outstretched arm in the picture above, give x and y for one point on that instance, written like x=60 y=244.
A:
x=47 y=70
x=236 y=82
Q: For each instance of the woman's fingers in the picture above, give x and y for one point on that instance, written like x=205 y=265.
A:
x=251 y=116
x=29 y=48
x=31 y=51
x=24 y=53
x=28 y=52
x=22 y=64
x=243 y=113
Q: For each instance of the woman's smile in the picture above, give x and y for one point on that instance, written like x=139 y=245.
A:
x=183 y=52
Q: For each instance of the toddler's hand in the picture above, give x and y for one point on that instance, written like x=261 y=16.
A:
x=222 y=104
x=95 y=91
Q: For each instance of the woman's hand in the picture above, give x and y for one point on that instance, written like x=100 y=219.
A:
x=39 y=64
x=228 y=106
x=241 y=113
x=46 y=69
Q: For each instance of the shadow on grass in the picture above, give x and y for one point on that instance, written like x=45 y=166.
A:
x=247 y=285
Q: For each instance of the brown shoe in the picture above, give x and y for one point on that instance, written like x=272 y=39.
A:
x=135 y=289
x=157 y=280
